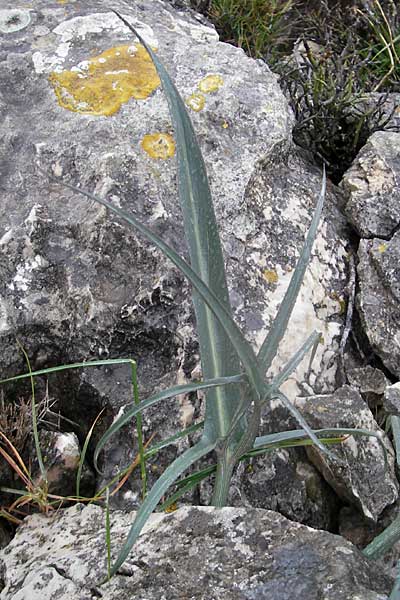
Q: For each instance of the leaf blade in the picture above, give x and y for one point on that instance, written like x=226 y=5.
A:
x=270 y=345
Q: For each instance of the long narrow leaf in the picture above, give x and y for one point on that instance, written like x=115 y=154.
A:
x=173 y=438
x=395 y=425
x=294 y=362
x=162 y=484
x=89 y=363
x=275 y=438
x=218 y=356
x=35 y=431
x=270 y=345
x=241 y=345
x=163 y=395
x=303 y=423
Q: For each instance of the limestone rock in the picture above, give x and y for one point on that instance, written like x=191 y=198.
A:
x=370 y=382
x=61 y=453
x=391 y=399
x=287 y=483
x=194 y=553
x=361 y=477
x=378 y=299
x=373 y=186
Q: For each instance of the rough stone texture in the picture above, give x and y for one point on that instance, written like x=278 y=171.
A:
x=61 y=453
x=378 y=298
x=373 y=186
x=75 y=284
x=284 y=481
x=391 y=399
x=361 y=478
x=370 y=382
x=194 y=553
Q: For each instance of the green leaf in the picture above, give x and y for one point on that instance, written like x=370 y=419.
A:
x=242 y=347
x=89 y=363
x=173 y=438
x=294 y=362
x=395 y=425
x=271 y=343
x=218 y=356
x=283 y=436
x=172 y=472
x=163 y=395
x=303 y=423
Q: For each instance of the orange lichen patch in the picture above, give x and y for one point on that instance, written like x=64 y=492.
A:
x=107 y=81
x=158 y=145
x=210 y=83
x=270 y=275
x=196 y=102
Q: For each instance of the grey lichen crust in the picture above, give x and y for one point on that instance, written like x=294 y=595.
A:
x=196 y=553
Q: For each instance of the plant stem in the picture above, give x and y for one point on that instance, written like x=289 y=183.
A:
x=384 y=541
x=139 y=428
x=223 y=478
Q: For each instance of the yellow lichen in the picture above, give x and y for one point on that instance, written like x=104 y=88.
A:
x=158 y=145
x=109 y=80
x=225 y=125
x=382 y=248
x=210 y=83
x=270 y=275
x=196 y=102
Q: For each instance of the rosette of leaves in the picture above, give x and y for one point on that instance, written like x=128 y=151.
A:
x=235 y=378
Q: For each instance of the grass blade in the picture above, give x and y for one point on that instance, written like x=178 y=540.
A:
x=163 y=395
x=303 y=423
x=173 y=438
x=89 y=363
x=83 y=453
x=162 y=484
x=241 y=345
x=34 y=417
x=218 y=356
x=395 y=425
x=270 y=345
x=108 y=533
x=294 y=362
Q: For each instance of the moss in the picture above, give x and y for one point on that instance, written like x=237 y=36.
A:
x=109 y=80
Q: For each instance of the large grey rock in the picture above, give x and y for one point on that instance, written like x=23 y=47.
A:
x=194 y=553
x=75 y=284
x=378 y=298
x=285 y=482
x=372 y=185
x=360 y=476
x=391 y=399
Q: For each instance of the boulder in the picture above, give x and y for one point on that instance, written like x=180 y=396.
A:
x=361 y=476
x=372 y=185
x=391 y=399
x=196 y=553
x=378 y=298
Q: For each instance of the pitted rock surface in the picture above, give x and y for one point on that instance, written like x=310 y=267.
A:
x=360 y=476
x=76 y=284
x=372 y=185
x=193 y=554
x=378 y=298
